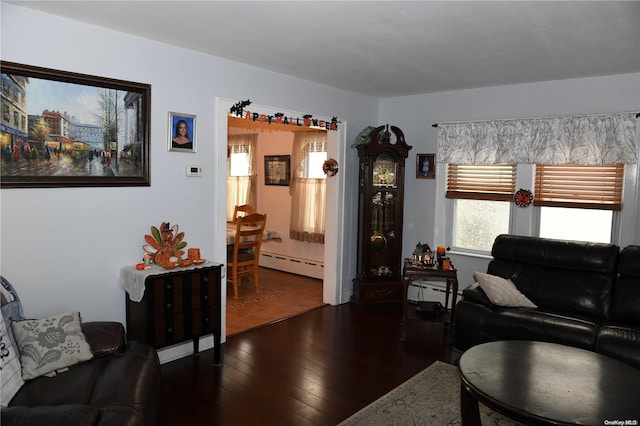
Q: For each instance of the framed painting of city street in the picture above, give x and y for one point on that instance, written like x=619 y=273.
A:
x=64 y=129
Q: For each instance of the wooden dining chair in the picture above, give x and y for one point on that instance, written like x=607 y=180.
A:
x=243 y=256
x=242 y=210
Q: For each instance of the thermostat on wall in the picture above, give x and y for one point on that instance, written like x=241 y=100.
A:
x=194 y=170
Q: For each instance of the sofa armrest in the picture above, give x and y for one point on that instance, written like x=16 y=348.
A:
x=104 y=337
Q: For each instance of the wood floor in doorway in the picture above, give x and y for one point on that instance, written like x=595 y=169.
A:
x=282 y=295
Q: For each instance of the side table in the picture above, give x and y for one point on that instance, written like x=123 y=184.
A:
x=169 y=307
x=411 y=272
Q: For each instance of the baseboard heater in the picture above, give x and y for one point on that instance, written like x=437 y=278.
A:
x=294 y=265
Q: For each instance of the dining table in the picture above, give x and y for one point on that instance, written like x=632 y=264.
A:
x=268 y=235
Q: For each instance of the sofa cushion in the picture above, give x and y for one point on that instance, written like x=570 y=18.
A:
x=567 y=276
x=50 y=344
x=63 y=415
x=9 y=366
x=74 y=386
x=502 y=292
x=502 y=323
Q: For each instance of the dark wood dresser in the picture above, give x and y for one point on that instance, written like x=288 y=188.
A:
x=178 y=306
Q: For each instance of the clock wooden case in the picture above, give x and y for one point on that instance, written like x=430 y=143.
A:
x=380 y=210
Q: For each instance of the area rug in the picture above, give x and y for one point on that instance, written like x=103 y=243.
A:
x=430 y=398
x=282 y=295
x=265 y=294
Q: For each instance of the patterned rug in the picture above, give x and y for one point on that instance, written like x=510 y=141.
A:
x=265 y=294
x=430 y=398
x=282 y=295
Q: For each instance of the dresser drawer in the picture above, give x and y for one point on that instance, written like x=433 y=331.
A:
x=174 y=329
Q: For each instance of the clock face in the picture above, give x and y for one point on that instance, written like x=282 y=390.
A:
x=384 y=172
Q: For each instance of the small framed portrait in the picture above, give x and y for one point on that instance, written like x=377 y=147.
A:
x=182 y=132
x=425 y=166
x=277 y=169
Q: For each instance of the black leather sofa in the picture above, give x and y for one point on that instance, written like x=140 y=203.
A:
x=587 y=296
x=119 y=386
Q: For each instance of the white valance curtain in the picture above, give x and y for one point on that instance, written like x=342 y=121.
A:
x=308 y=195
x=241 y=189
x=587 y=140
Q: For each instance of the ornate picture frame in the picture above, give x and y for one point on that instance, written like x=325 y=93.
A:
x=65 y=129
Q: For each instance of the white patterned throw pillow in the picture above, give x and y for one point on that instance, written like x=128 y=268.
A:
x=50 y=344
x=502 y=292
x=10 y=371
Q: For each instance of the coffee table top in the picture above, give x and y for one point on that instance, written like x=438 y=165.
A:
x=547 y=383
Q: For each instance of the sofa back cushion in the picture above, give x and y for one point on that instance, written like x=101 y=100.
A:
x=564 y=276
x=626 y=300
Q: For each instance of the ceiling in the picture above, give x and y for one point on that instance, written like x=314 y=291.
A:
x=388 y=49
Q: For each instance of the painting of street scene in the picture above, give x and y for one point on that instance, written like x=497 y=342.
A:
x=59 y=132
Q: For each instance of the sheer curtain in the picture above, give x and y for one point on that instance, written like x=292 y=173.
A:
x=241 y=180
x=308 y=195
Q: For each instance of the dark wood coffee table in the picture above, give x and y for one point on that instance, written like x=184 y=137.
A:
x=540 y=383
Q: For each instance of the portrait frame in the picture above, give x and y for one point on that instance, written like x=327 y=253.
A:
x=277 y=170
x=174 y=119
x=81 y=130
x=428 y=160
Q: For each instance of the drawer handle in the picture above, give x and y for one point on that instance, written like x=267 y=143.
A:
x=206 y=319
x=170 y=330
x=206 y=297
x=168 y=305
x=168 y=286
x=205 y=278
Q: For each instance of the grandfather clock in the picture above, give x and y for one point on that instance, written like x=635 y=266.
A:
x=380 y=208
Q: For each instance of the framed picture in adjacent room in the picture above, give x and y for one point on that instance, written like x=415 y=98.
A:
x=182 y=132
x=425 y=166
x=277 y=170
x=64 y=129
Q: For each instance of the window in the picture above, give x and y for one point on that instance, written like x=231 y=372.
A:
x=576 y=224
x=240 y=172
x=476 y=223
x=578 y=202
x=571 y=201
x=313 y=165
x=482 y=197
x=239 y=164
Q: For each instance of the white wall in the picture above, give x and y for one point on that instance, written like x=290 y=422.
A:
x=416 y=114
x=63 y=248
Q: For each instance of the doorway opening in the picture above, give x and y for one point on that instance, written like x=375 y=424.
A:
x=329 y=252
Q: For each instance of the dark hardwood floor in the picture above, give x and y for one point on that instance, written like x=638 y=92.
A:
x=317 y=368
